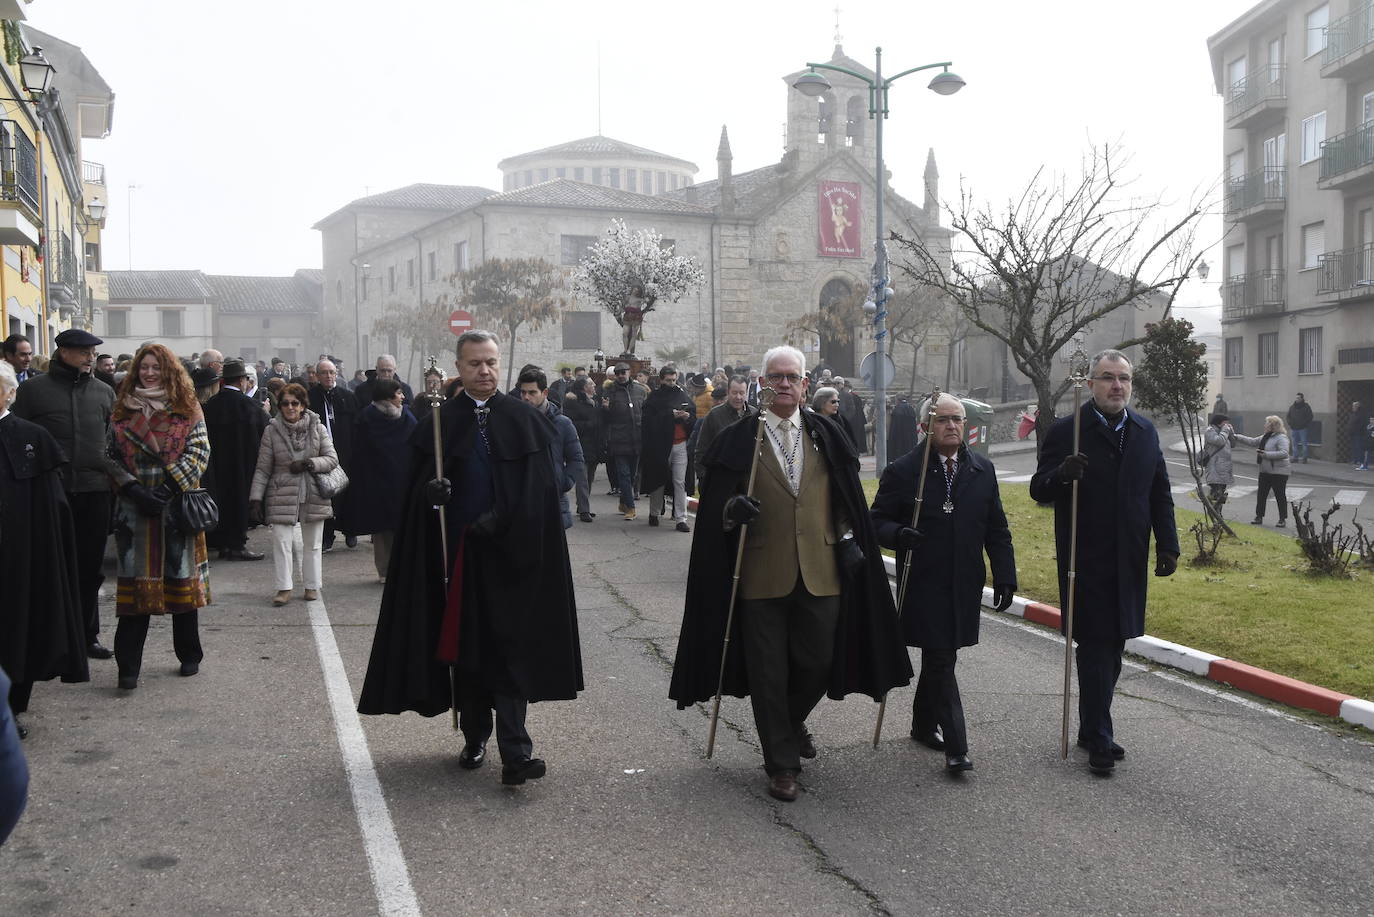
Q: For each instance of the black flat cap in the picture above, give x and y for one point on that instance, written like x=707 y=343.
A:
x=76 y=337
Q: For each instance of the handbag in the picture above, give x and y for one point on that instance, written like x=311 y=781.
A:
x=331 y=483
x=193 y=511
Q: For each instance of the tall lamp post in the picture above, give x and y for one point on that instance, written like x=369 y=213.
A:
x=813 y=84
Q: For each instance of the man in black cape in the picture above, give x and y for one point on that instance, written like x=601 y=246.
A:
x=668 y=418
x=831 y=590
x=901 y=429
x=234 y=422
x=506 y=625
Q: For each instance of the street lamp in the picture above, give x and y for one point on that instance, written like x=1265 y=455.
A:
x=814 y=84
x=35 y=72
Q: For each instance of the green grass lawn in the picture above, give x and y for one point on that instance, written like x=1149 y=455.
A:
x=1259 y=607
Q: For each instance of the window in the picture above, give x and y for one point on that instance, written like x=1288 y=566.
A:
x=410 y=272
x=560 y=172
x=1316 y=29
x=1235 y=72
x=1309 y=351
x=596 y=175
x=1235 y=352
x=116 y=323
x=92 y=256
x=581 y=330
x=433 y=265
x=266 y=323
x=579 y=173
x=460 y=256
x=574 y=248
x=646 y=181
x=529 y=176
x=1313 y=133
x=1350 y=355
x=630 y=176
x=391 y=279
x=614 y=177
x=1313 y=244
x=508 y=182
x=543 y=174
x=662 y=182
x=1269 y=354
x=169 y=321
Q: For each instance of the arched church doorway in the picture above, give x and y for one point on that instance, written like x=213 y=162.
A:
x=837 y=350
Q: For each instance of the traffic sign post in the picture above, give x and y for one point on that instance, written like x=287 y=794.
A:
x=460 y=321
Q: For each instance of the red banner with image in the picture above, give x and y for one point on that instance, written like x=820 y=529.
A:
x=839 y=220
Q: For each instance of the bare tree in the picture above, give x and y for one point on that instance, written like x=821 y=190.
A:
x=514 y=292
x=422 y=326
x=835 y=321
x=1054 y=261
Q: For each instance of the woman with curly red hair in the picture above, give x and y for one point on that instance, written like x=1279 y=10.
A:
x=158 y=436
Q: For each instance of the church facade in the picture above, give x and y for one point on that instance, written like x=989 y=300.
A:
x=775 y=243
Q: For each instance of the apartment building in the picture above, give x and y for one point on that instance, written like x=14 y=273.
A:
x=1297 y=80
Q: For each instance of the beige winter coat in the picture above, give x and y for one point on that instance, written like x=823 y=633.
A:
x=280 y=488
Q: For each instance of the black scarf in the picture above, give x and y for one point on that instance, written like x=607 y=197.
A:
x=1264 y=441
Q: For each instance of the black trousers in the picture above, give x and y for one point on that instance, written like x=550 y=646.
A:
x=132 y=632
x=91 y=514
x=20 y=692
x=788 y=645
x=475 y=720
x=1278 y=483
x=1099 y=667
x=937 y=700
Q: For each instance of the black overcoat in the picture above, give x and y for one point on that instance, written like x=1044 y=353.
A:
x=234 y=423
x=587 y=416
x=944 y=596
x=42 y=627
x=345 y=411
x=902 y=433
x=518 y=589
x=869 y=656
x=377 y=473
x=852 y=410
x=1122 y=499
x=656 y=437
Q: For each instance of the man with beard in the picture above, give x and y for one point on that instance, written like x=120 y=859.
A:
x=668 y=418
x=735 y=407
x=961 y=518
x=234 y=423
x=1123 y=496
x=815 y=612
x=496 y=627
x=338 y=409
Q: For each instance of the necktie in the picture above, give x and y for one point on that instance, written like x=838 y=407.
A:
x=949 y=467
x=785 y=428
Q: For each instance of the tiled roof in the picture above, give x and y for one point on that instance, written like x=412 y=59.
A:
x=563 y=192
x=267 y=294
x=752 y=189
x=419 y=196
x=158 y=286
x=593 y=148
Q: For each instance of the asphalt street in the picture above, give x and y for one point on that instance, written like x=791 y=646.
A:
x=243 y=790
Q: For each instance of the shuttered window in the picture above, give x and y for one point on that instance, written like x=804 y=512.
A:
x=1313 y=244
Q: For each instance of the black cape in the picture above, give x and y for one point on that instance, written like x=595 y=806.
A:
x=870 y=657
x=377 y=473
x=234 y=423
x=42 y=631
x=901 y=431
x=518 y=590
x=656 y=435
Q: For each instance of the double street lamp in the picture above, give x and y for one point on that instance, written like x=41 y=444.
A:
x=814 y=84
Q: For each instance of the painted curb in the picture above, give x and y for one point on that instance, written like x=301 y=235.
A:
x=1171 y=654
x=1358 y=711
x=1286 y=690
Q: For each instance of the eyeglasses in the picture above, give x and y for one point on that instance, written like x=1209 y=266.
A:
x=289 y=404
x=1109 y=378
x=622 y=372
x=949 y=418
x=834 y=401
x=789 y=378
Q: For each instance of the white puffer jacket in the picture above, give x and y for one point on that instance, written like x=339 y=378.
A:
x=1275 y=459
x=279 y=487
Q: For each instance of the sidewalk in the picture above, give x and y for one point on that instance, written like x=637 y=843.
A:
x=868 y=464
x=1335 y=472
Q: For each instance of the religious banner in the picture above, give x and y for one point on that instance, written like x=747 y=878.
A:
x=839 y=222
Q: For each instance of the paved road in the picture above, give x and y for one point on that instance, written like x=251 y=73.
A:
x=232 y=792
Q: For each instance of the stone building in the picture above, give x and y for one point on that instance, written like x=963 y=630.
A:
x=775 y=242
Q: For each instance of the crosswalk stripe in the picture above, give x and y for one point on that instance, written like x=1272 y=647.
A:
x=1243 y=490
x=1350 y=497
x=1297 y=493
x=1183 y=488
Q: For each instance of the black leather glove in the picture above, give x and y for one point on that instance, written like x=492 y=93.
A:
x=850 y=555
x=165 y=492
x=909 y=539
x=255 y=513
x=1073 y=467
x=1165 y=563
x=147 y=502
x=484 y=526
x=299 y=465
x=1002 y=595
x=741 y=510
x=439 y=491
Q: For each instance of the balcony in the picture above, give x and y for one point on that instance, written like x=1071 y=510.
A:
x=92 y=173
x=64 y=282
x=1347 y=274
x=1257 y=97
x=1350 y=45
x=1347 y=159
x=19 y=213
x=1257 y=195
x=1250 y=295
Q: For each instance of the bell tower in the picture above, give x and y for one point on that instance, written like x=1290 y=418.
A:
x=836 y=120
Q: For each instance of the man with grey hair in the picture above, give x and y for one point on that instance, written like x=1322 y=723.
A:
x=1124 y=496
x=386 y=369
x=815 y=613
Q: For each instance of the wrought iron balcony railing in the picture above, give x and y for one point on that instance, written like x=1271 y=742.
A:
x=1349 y=34
x=1255 y=293
x=93 y=172
x=1267 y=186
x=18 y=166
x=1267 y=84
x=1346 y=271
x=1348 y=151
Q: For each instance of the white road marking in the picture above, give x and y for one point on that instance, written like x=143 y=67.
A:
x=1297 y=493
x=1183 y=488
x=1243 y=490
x=390 y=877
x=1350 y=497
x=1018 y=478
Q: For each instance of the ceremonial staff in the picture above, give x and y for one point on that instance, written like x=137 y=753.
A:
x=765 y=399
x=1078 y=377
x=434 y=394
x=915 y=520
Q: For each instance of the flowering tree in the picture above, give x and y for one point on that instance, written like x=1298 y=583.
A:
x=627 y=272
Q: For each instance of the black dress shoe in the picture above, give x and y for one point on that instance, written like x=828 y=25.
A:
x=653 y=520
x=128 y=682
x=189 y=668
x=1101 y=762
x=931 y=739
x=473 y=756
x=1117 y=751
x=808 y=745
x=96 y=651
x=585 y=517
x=244 y=554
x=517 y=773
x=683 y=527
x=21 y=729
x=351 y=541
x=783 y=786
x=956 y=763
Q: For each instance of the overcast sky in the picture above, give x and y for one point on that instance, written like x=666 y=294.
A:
x=242 y=126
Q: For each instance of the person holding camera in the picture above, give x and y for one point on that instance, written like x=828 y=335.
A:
x=1217 y=469
x=1271 y=454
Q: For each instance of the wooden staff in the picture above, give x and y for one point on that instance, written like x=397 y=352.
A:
x=436 y=399
x=1078 y=378
x=765 y=399
x=915 y=520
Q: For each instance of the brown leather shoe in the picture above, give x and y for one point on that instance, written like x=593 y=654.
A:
x=783 y=786
x=808 y=745
x=311 y=595
x=282 y=597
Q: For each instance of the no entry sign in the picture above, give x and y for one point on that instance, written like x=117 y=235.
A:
x=460 y=321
